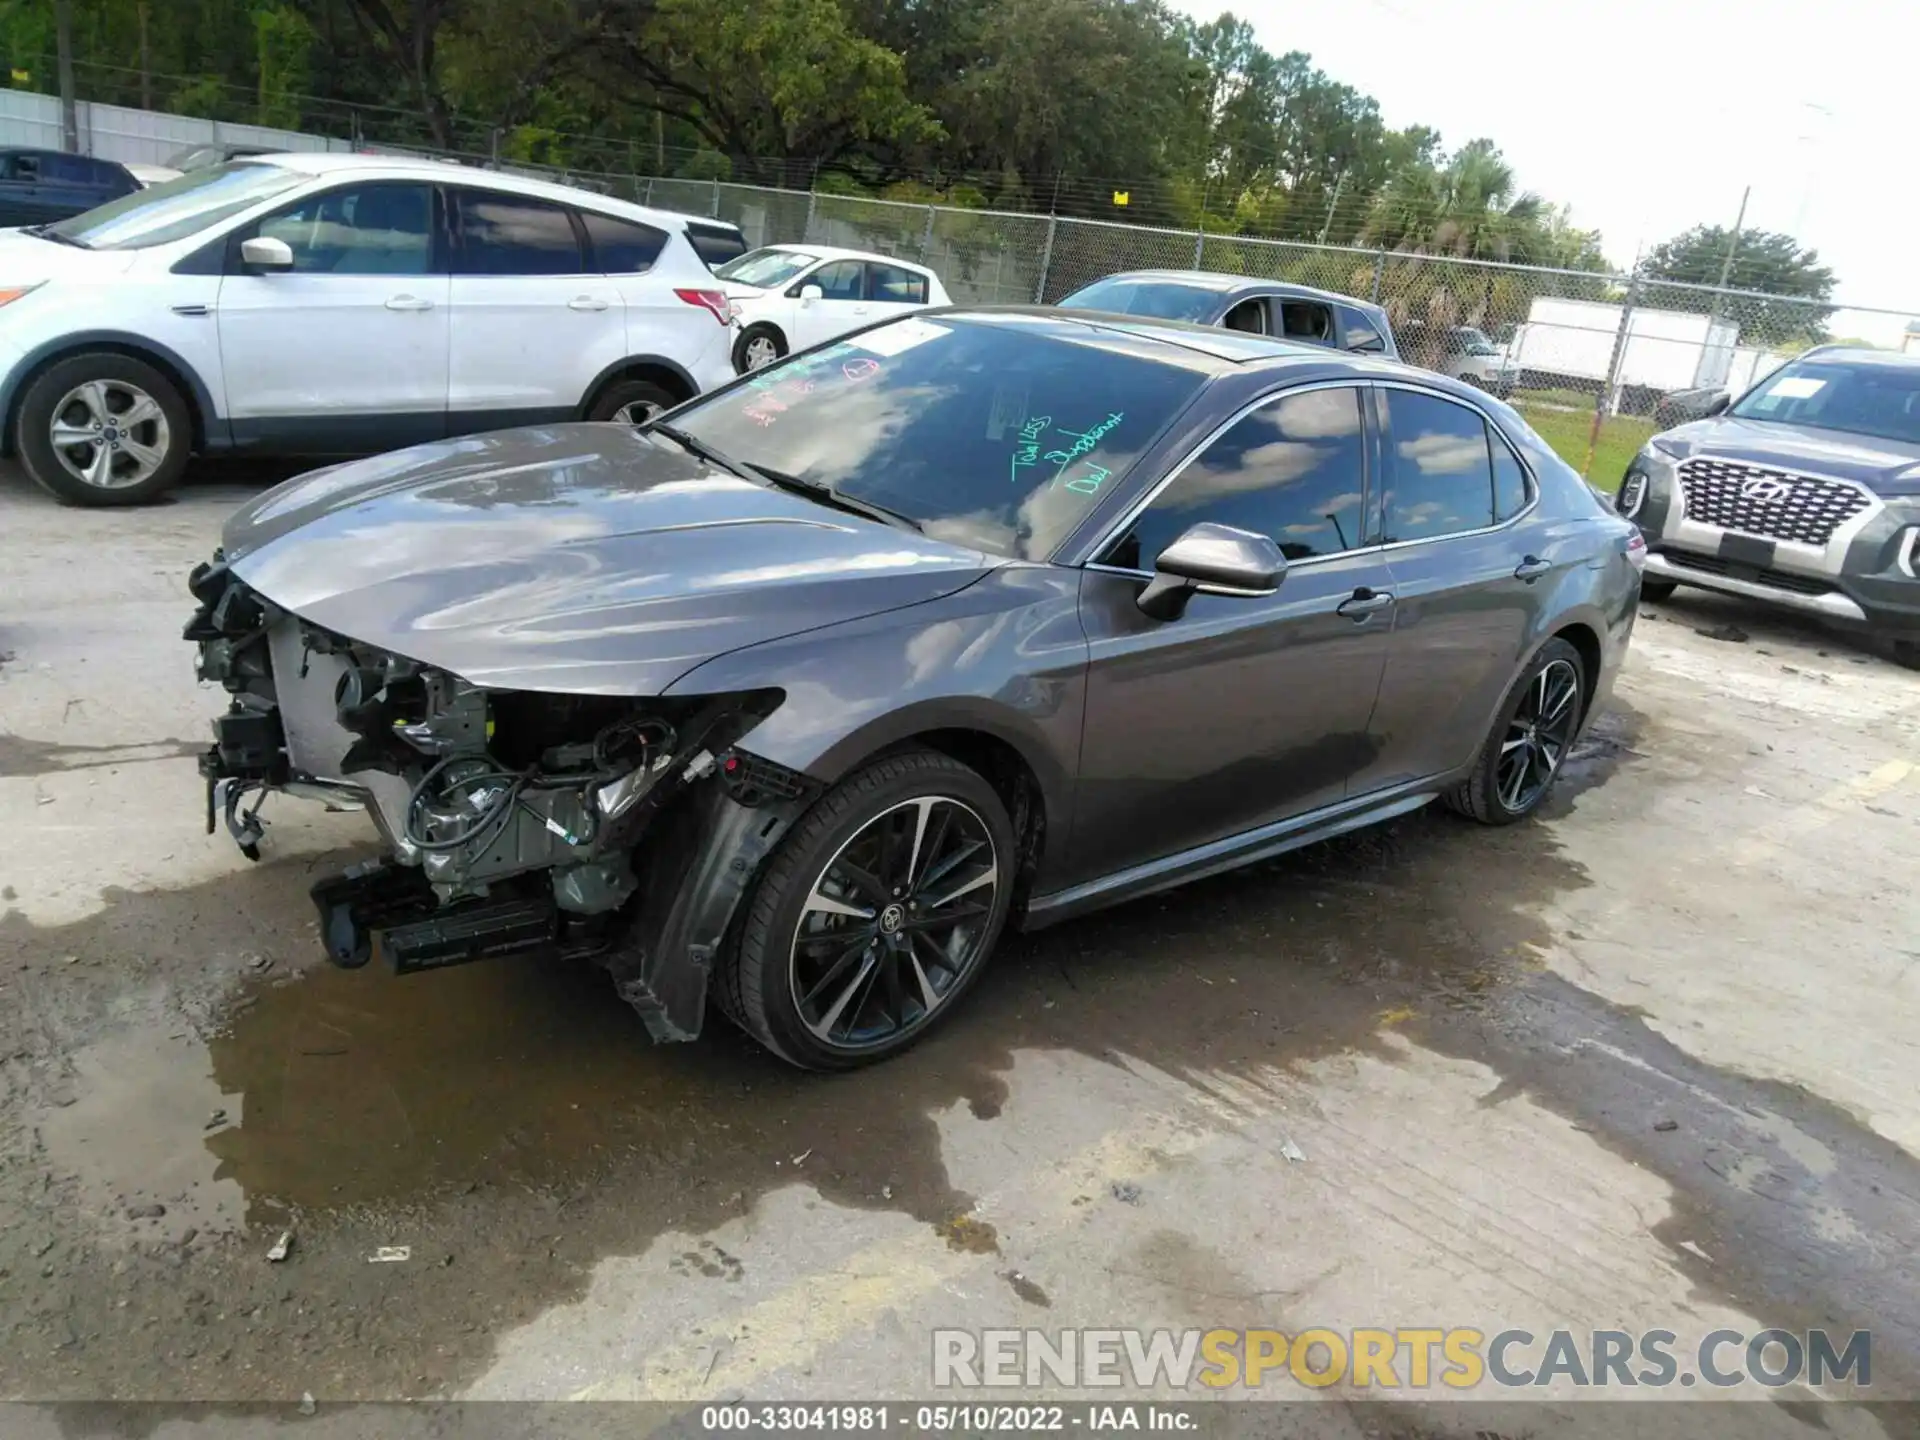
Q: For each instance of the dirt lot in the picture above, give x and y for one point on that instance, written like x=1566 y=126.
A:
x=1650 y=1061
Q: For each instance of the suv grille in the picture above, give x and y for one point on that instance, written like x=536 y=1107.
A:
x=1808 y=510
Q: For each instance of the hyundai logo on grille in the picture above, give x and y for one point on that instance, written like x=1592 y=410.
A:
x=1766 y=490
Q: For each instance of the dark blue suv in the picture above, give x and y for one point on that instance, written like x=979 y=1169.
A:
x=1804 y=493
x=38 y=187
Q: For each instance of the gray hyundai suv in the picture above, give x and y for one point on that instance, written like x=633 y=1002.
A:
x=1804 y=493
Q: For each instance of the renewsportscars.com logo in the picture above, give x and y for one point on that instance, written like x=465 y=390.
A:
x=1403 y=1358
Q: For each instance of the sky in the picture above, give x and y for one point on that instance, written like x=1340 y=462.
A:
x=1650 y=116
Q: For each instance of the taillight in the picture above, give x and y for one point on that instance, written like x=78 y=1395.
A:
x=714 y=302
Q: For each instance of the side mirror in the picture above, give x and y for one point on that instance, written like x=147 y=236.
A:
x=811 y=293
x=265 y=255
x=1211 y=559
x=1719 y=403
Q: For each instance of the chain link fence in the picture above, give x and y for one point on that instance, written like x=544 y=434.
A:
x=1596 y=361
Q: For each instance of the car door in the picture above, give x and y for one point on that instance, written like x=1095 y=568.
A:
x=346 y=351
x=661 y=319
x=1245 y=711
x=533 y=327
x=1470 y=567
x=841 y=306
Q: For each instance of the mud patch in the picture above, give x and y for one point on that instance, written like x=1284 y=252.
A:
x=21 y=757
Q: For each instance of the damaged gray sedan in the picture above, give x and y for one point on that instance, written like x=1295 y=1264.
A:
x=797 y=697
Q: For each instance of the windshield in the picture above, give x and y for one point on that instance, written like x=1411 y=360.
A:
x=178 y=208
x=1862 y=399
x=1475 y=342
x=998 y=436
x=766 y=268
x=1162 y=299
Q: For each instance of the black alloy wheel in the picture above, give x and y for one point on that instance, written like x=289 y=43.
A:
x=1529 y=742
x=879 y=910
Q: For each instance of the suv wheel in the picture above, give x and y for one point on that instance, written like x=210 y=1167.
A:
x=1530 y=740
x=1654 y=591
x=878 y=911
x=632 y=402
x=104 y=429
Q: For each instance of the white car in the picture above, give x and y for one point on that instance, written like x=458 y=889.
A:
x=790 y=297
x=316 y=304
x=1472 y=357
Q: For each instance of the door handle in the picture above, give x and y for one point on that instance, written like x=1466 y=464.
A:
x=408 y=302
x=1365 y=602
x=1531 y=569
x=586 y=302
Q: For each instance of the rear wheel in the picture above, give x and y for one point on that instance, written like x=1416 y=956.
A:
x=1657 y=590
x=877 y=913
x=104 y=429
x=1529 y=742
x=632 y=402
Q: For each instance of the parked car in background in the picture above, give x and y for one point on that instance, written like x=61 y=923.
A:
x=200 y=157
x=1470 y=356
x=38 y=187
x=1680 y=406
x=1240 y=302
x=152 y=175
x=1804 y=493
x=800 y=695
x=789 y=297
x=336 y=305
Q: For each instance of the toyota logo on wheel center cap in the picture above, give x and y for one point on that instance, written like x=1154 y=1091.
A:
x=891 y=919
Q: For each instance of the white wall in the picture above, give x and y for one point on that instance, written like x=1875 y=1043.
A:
x=142 y=137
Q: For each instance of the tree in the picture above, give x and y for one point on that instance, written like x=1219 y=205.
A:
x=1766 y=261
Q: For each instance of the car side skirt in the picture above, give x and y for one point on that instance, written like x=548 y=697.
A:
x=1232 y=852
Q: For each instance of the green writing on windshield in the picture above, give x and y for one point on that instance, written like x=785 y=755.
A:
x=1029 y=450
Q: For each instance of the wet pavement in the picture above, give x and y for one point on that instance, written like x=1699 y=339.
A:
x=1648 y=1058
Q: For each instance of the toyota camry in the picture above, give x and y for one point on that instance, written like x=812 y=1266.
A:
x=797 y=697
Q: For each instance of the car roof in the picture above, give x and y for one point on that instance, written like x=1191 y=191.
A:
x=838 y=252
x=1232 y=284
x=1230 y=348
x=319 y=163
x=1862 y=355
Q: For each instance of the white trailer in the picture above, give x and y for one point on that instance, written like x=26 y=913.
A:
x=1573 y=341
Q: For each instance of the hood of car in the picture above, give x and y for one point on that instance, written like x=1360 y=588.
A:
x=30 y=260
x=1888 y=467
x=584 y=559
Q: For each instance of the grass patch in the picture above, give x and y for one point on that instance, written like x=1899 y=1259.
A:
x=1621 y=437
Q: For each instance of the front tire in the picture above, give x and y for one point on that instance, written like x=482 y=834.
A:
x=758 y=347
x=102 y=429
x=875 y=916
x=1655 y=591
x=1529 y=742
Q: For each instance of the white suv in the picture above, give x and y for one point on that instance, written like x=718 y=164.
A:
x=339 y=304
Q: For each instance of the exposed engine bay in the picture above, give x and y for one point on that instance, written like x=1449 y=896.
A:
x=512 y=820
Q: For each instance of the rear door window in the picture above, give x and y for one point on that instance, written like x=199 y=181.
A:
x=1440 y=470
x=500 y=234
x=896 y=285
x=1310 y=321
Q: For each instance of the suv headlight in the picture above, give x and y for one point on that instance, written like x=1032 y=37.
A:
x=1633 y=494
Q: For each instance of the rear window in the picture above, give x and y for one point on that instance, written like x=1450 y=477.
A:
x=1161 y=299
x=716 y=244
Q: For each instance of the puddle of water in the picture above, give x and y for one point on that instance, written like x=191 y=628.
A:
x=130 y=1138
